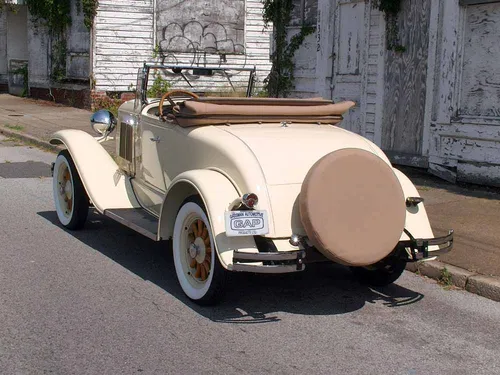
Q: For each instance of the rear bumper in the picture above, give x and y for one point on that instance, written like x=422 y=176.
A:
x=271 y=262
x=419 y=247
x=294 y=260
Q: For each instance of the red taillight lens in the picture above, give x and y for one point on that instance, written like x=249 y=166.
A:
x=250 y=200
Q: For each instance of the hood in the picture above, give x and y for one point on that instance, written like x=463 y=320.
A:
x=287 y=153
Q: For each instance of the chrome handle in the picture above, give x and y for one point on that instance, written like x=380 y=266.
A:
x=155 y=139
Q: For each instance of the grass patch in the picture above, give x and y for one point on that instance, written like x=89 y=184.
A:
x=14 y=141
x=445 y=278
x=31 y=144
x=19 y=128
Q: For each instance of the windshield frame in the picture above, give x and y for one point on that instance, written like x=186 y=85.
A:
x=143 y=76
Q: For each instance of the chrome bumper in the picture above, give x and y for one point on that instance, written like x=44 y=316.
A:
x=419 y=247
x=272 y=262
x=294 y=261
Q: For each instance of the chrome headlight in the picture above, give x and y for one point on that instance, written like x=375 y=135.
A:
x=103 y=122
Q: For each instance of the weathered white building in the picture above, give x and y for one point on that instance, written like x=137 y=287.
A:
x=24 y=42
x=435 y=105
x=128 y=32
x=124 y=35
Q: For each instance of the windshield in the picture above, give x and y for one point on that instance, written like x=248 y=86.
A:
x=203 y=81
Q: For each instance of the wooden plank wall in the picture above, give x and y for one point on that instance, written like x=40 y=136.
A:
x=405 y=82
x=465 y=126
x=374 y=76
x=305 y=58
x=313 y=73
x=124 y=39
x=458 y=100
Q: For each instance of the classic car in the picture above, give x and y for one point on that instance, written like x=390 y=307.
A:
x=239 y=183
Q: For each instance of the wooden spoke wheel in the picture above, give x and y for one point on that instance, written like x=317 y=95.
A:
x=70 y=198
x=199 y=250
x=197 y=265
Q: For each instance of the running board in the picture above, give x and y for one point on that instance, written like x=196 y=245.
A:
x=137 y=219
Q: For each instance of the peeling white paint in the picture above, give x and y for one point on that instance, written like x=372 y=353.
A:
x=461 y=113
x=124 y=38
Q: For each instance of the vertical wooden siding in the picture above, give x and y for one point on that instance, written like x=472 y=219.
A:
x=124 y=39
x=465 y=126
x=405 y=82
x=314 y=62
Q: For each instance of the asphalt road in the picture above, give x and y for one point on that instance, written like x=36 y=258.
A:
x=105 y=300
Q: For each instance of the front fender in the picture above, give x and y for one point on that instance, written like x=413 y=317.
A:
x=106 y=186
x=217 y=192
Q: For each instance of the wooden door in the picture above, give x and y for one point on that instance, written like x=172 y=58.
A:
x=405 y=82
x=349 y=54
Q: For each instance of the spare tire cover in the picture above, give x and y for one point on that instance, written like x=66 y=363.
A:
x=352 y=207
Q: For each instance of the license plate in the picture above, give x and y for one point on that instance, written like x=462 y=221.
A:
x=246 y=223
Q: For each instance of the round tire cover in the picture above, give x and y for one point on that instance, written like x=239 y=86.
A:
x=352 y=207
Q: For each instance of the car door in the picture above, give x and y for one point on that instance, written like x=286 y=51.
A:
x=151 y=181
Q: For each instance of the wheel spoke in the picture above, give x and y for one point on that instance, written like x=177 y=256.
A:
x=200 y=227
x=193 y=262
x=206 y=266
x=198 y=270
x=70 y=204
x=194 y=229
x=207 y=241
x=208 y=249
x=204 y=235
x=203 y=273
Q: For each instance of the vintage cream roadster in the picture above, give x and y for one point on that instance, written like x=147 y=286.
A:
x=245 y=184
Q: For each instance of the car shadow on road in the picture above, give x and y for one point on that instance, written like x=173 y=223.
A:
x=322 y=289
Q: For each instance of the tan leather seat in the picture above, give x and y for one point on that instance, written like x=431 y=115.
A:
x=196 y=112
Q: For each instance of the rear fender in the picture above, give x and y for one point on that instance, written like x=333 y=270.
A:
x=217 y=192
x=417 y=221
x=104 y=182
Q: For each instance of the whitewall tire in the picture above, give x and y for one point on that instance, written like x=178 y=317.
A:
x=71 y=200
x=197 y=265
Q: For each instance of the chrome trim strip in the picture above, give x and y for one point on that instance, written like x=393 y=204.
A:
x=238 y=267
x=281 y=255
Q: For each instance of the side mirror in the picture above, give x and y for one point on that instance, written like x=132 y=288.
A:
x=103 y=122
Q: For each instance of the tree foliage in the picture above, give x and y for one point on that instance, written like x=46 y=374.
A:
x=55 y=14
x=280 y=80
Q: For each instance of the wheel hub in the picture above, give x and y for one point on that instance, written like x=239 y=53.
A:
x=200 y=249
x=68 y=189
x=193 y=250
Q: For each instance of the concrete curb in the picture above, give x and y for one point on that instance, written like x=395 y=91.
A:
x=31 y=140
x=485 y=286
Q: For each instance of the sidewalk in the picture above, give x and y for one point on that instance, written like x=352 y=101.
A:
x=472 y=211
x=38 y=119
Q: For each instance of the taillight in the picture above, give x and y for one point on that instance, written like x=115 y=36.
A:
x=250 y=200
